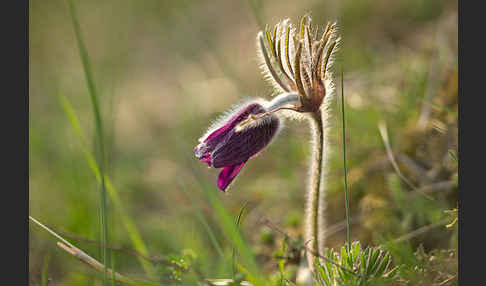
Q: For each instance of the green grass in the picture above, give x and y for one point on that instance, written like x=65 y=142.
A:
x=99 y=131
x=348 y=231
x=248 y=266
x=203 y=221
x=234 y=253
x=128 y=223
x=45 y=268
x=174 y=67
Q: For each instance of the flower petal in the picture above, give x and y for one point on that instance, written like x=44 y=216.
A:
x=218 y=134
x=228 y=174
x=242 y=145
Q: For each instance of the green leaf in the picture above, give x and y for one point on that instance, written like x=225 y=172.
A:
x=377 y=263
x=392 y=272
x=344 y=256
x=373 y=256
x=356 y=248
x=324 y=274
x=383 y=265
x=364 y=261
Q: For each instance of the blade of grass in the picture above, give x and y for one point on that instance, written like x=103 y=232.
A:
x=203 y=221
x=99 y=130
x=226 y=220
x=128 y=223
x=230 y=230
x=384 y=136
x=45 y=267
x=90 y=261
x=281 y=262
x=238 y=220
x=112 y=260
x=421 y=230
x=156 y=259
x=348 y=235
x=453 y=155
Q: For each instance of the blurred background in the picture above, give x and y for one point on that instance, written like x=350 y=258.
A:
x=164 y=70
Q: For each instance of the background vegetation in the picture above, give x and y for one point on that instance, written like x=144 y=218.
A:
x=163 y=70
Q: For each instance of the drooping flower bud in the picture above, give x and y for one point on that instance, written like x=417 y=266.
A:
x=229 y=145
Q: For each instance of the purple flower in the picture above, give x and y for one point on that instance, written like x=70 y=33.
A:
x=229 y=145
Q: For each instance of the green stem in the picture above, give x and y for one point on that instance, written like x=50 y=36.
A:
x=348 y=235
x=99 y=130
x=315 y=200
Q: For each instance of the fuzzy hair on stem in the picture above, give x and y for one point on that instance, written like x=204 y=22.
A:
x=298 y=60
x=315 y=219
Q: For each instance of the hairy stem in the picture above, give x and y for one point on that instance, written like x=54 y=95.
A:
x=315 y=205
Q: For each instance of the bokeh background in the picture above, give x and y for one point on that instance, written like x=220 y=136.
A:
x=164 y=70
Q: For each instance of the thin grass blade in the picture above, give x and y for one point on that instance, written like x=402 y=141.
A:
x=99 y=130
x=348 y=234
x=128 y=223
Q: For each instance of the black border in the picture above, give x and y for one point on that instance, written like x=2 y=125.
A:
x=471 y=96
x=15 y=136
x=460 y=148
x=14 y=116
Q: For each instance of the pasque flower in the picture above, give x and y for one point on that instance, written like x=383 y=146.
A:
x=229 y=145
x=296 y=63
